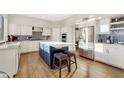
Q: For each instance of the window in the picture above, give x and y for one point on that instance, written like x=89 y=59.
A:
x=1 y=28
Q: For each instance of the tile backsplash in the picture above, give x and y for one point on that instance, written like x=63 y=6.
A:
x=27 y=37
x=35 y=36
x=22 y=37
x=118 y=36
x=102 y=37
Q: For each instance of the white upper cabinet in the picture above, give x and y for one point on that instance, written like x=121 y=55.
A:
x=46 y=31
x=104 y=26
x=17 y=29
x=26 y=30
x=14 y=29
x=116 y=56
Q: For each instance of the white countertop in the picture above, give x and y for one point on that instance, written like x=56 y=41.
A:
x=35 y=40
x=111 y=44
x=58 y=44
x=9 y=45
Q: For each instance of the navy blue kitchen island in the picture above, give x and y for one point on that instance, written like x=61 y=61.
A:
x=46 y=52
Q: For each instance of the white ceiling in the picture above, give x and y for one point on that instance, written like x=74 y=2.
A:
x=59 y=17
x=50 y=17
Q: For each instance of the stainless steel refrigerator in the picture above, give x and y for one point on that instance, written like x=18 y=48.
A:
x=86 y=43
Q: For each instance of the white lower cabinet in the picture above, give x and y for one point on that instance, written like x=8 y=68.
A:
x=101 y=53
x=29 y=46
x=9 y=61
x=110 y=54
x=116 y=55
x=25 y=46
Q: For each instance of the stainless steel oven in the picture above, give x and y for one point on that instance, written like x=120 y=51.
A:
x=64 y=37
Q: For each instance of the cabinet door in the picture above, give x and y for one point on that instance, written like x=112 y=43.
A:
x=26 y=30
x=34 y=45
x=105 y=26
x=46 y=31
x=14 y=29
x=56 y=34
x=116 y=56
x=7 y=62
x=101 y=53
x=23 y=47
x=16 y=59
x=29 y=46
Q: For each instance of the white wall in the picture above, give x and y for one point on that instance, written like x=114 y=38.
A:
x=56 y=24
x=24 y=20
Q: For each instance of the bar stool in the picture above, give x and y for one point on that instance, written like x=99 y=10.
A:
x=70 y=55
x=63 y=61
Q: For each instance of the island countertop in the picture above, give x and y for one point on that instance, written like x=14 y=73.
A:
x=56 y=43
x=60 y=44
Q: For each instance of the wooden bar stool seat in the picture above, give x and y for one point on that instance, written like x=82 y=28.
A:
x=61 y=60
x=70 y=55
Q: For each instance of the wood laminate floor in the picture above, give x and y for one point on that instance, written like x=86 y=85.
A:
x=32 y=66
